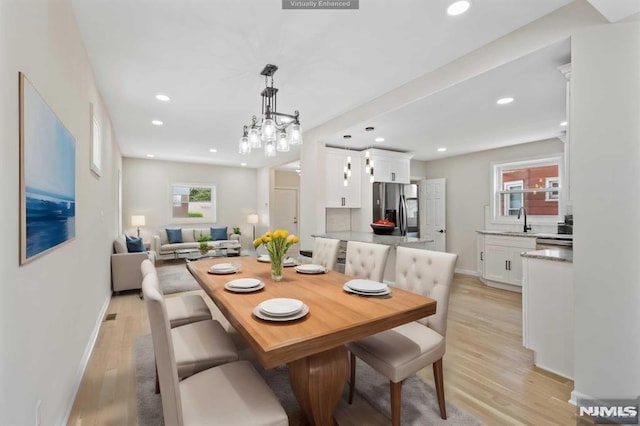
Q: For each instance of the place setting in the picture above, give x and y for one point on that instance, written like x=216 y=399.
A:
x=281 y=309
x=311 y=268
x=223 y=269
x=367 y=288
x=287 y=262
x=244 y=285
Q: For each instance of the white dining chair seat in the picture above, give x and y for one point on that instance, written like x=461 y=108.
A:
x=366 y=260
x=187 y=309
x=201 y=345
x=231 y=394
x=400 y=352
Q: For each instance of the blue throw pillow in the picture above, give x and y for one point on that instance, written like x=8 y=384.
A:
x=218 y=234
x=174 y=235
x=134 y=245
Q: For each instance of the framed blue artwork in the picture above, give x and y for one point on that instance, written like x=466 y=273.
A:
x=47 y=177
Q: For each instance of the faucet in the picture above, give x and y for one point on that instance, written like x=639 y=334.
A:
x=523 y=210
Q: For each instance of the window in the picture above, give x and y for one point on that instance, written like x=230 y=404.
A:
x=532 y=184
x=193 y=201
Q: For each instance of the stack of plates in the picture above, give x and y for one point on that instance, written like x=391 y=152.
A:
x=222 y=269
x=366 y=288
x=288 y=261
x=244 y=285
x=281 y=309
x=311 y=269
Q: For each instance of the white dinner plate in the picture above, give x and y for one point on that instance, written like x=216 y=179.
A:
x=303 y=311
x=362 y=293
x=222 y=269
x=367 y=286
x=310 y=268
x=280 y=307
x=244 y=290
x=244 y=283
x=289 y=261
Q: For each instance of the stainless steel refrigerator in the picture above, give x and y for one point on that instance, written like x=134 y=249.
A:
x=398 y=203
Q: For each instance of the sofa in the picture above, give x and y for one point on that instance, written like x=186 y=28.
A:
x=125 y=265
x=187 y=238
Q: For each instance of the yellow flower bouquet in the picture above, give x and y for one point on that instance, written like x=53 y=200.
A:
x=277 y=244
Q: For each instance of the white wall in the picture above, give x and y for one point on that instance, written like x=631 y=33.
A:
x=147 y=191
x=605 y=166
x=286 y=179
x=469 y=188
x=49 y=308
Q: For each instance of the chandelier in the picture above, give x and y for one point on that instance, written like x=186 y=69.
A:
x=275 y=129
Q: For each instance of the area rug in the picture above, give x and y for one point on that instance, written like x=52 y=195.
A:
x=419 y=402
x=174 y=277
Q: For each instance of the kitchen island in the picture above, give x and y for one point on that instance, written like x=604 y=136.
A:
x=369 y=237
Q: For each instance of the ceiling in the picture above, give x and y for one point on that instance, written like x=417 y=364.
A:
x=207 y=57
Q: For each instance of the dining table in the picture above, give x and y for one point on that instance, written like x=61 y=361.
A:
x=313 y=347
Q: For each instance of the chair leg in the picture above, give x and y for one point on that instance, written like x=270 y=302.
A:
x=396 y=398
x=157 y=381
x=352 y=377
x=439 y=379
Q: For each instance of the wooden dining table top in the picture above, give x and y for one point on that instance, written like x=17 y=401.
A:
x=335 y=316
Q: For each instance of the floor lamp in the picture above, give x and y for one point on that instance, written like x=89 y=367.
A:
x=253 y=220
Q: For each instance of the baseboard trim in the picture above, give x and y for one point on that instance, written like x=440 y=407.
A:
x=576 y=395
x=84 y=361
x=466 y=272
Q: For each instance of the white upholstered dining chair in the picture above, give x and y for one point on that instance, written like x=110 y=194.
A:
x=196 y=346
x=366 y=260
x=402 y=351
x=181 y=310
x=229 y=394
x=325 y=252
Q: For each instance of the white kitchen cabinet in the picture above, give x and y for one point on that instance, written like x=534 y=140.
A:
x=502 y=262
x=390 y=166
x=336 y=193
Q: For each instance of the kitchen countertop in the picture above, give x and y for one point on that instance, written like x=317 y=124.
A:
x=559 y=254
x=526 y=234
x=370 y=237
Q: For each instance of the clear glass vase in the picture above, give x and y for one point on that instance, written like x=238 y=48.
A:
x=276 y=268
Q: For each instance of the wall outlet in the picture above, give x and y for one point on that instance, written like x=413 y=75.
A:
x=38 y=414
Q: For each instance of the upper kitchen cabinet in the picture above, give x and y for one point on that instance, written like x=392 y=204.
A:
x=391 y=166
x=337 y=194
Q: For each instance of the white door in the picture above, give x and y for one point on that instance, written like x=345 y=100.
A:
x=433 y=213
x=286 y=213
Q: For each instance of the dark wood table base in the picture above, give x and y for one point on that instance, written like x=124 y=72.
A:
x=318 y=381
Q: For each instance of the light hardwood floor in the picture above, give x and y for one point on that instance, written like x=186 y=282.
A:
x=487 y=372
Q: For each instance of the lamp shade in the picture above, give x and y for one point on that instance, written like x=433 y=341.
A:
x=137 y=220
x=252 y=219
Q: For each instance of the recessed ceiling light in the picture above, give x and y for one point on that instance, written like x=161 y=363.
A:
x=243 y=164
x=213 y=150
x=564 y=123
x=458 y=8
x=442 y=149
x=150 y=155
x=298 y=170
x=504 y=101
x=163 y=98
x=157 y=122
x=379 y=139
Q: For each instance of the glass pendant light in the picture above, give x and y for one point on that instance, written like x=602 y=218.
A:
x=269 y=149
x=268 y=130
x=254 y=138
x=283 y=144
x=244 y=147
x=295 y=134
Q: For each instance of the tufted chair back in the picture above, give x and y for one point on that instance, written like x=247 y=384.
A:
x=325 y=252
x=365 y=260
x=163 y=349
x=428 y=273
